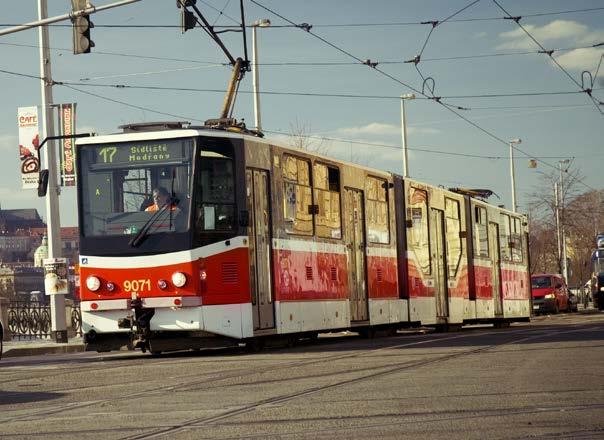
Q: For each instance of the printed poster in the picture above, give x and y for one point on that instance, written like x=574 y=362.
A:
x=29 y=142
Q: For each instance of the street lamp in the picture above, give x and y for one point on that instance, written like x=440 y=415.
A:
x=512 y=142
x=258 y=23
x=404 y=133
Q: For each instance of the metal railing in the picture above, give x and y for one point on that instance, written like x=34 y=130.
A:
x=31 y=319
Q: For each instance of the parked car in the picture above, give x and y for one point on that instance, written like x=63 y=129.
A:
x=550 y=294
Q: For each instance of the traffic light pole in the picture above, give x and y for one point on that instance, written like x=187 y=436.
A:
x=44 y=21
x=53 y=221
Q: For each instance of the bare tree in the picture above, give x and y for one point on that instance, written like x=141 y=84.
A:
x=301 y=138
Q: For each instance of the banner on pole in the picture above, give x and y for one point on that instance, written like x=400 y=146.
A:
x=67 y=153
x=29 y=142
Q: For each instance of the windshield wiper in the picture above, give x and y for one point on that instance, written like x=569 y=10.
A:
x=144 y=231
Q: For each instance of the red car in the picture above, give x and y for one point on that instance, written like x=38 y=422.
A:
x=550 y=294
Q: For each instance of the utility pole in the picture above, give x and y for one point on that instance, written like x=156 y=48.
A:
x=557 y=209
x=404 y=133
x=562 y=233
x=512 y=174
x=53 y=221
x=256 y=81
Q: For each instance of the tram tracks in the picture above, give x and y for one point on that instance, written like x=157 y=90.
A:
x=186 y=384
x=201 y=422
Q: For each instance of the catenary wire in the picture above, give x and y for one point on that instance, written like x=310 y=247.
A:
x=550 y=54
x=407 y=23
x=488 y=133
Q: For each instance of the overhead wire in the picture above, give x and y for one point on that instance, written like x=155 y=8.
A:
x=478 y=127
x=407 y=23
x=550 y=53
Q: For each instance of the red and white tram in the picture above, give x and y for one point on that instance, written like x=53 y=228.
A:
x=260 y=240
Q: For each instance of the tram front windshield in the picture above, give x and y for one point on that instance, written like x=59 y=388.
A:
x=122 y=184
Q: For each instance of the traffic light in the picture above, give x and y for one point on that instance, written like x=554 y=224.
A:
x=81 y=28
x=187 y=18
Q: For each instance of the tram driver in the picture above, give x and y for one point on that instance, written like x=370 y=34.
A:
x=163 y=201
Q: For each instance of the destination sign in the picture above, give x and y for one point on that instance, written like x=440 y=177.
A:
x=130 y=153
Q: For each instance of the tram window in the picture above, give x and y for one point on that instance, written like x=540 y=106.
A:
x=505 y=237
x=297 y=196
x=481 y=246
x=417 y=213
x=326 y=182
x=453 y=228
x=516 y=241
x=216 y=204
x=378 y=226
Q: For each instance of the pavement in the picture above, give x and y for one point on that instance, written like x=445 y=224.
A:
x=36 y=346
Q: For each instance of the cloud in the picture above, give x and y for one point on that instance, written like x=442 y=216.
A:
x=560 y=33
x=382 y=130
x=581 y=59
x=554 y=31
x=374 y=128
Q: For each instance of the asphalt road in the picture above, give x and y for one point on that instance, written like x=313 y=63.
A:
x=539 y=380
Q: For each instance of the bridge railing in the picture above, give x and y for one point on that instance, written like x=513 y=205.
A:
x=31 y=319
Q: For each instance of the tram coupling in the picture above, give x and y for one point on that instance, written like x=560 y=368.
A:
x=139 y=323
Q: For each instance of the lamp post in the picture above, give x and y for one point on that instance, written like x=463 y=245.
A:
x=562 y=232
x=258 y=23
x=512 y=176
x=404 y=133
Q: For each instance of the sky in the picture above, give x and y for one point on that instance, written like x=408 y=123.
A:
x=472 y=54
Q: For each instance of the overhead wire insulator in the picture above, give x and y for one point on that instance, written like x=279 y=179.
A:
x=370 y=63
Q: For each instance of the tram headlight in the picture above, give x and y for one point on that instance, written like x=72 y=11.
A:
x=179 y=279
x=93 y=283
x=550 y=296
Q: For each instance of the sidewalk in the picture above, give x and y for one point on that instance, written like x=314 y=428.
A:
x=36 y=346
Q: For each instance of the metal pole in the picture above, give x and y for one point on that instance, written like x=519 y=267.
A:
x=404 y=139
x=512 y=177
x=563 y=235
x=556 y=205
x=53 y=222
x=255 y=80
x=45 y=21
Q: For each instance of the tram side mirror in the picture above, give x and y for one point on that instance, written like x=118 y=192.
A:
x=244 y=219
x=42 y=183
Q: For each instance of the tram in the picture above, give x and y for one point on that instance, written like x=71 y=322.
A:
x=259 y=240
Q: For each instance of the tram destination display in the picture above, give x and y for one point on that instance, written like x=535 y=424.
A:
x=139 y=153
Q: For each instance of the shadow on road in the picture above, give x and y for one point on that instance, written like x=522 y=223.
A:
x=16 y=397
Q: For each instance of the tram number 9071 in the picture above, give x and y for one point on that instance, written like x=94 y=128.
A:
x=137 y=285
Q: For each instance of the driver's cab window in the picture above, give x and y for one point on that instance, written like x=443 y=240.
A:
x=215 y=206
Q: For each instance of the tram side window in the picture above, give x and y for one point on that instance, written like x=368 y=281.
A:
x=326 y=184
x=505 y=237
x=453 y=229
x=216 y=204
x=417 y=214
x=516 y=241
x=481 y=246
x=378 y=225
x=297 y=196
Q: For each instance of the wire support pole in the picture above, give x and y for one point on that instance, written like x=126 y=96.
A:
x=562 y=219
x=513 y=177
x=256 y=81
x=53 y=221
x=45 y=21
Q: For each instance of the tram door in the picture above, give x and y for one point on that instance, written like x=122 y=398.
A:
x=496 y=262
x=258 y=197
x=439 y=262
x=355 y=242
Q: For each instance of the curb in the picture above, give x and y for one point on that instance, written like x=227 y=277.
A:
x=33 y=351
